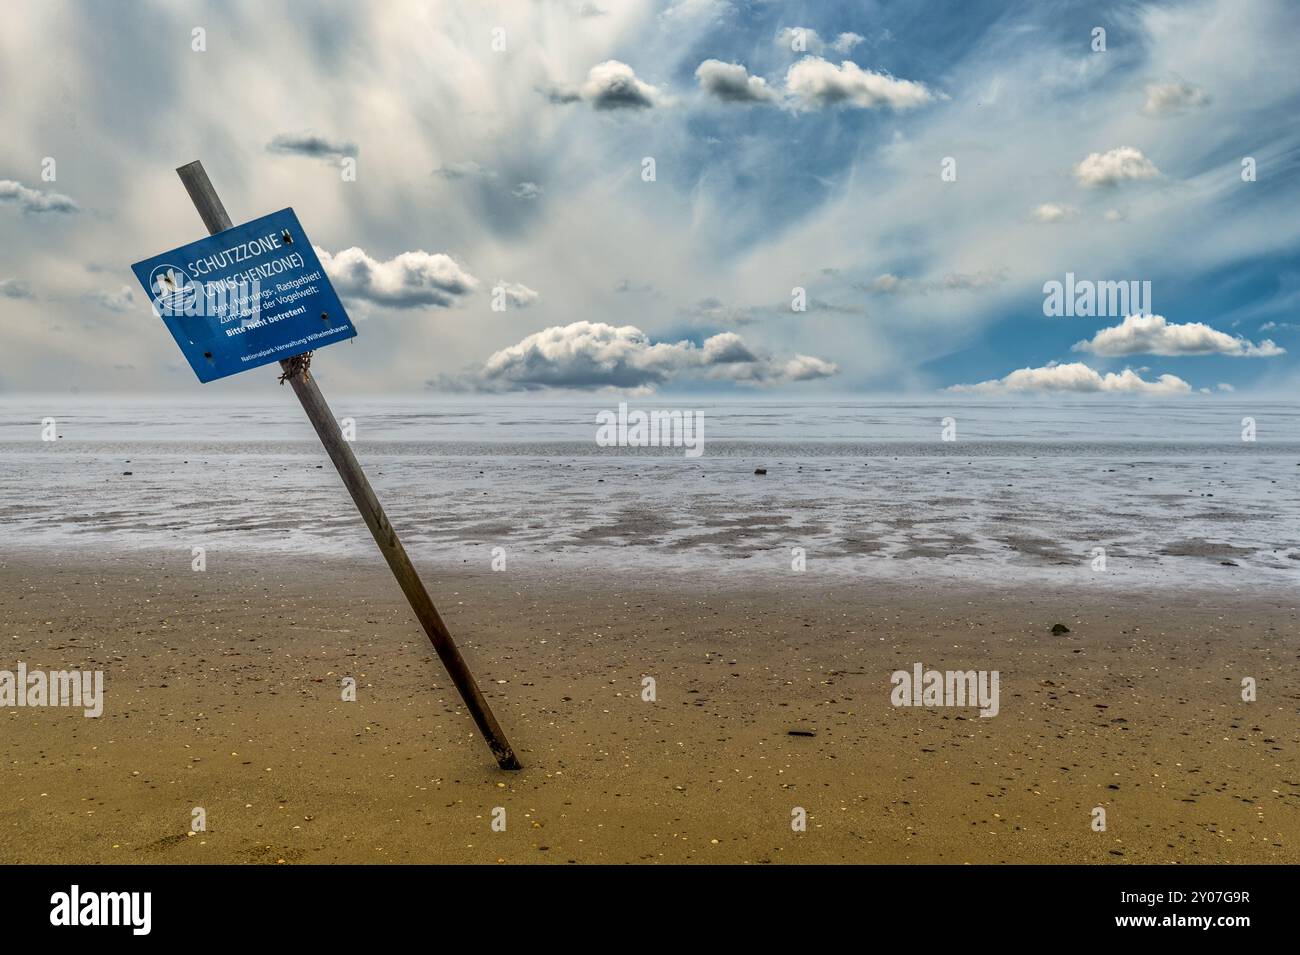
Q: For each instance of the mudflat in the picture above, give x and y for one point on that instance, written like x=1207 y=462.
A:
x=772 y=695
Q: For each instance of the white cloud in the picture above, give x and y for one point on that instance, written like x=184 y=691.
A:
x=591 y=355
x=1076 y=378
x=409 y=280
x=527 y=190
x=34 y=200
x=1051 y=212
x=1114 y=215
x=732 y=83
x=1177 y=97
x=1153 y=335
x=846 y=42
x=1115 y=166
x=517 y=294
x=816 y=83
x=808 y=40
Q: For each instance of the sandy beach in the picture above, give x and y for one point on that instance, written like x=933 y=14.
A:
x=222 y=691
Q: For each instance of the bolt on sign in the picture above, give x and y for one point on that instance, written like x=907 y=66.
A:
x=245 y=297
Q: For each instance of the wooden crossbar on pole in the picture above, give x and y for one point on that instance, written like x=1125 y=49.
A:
x=327 y=428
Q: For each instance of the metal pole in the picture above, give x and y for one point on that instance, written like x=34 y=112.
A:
x=327 y=428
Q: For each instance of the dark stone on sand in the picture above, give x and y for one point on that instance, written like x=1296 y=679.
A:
x=760 y=470
x=127 y=473
x=800 y=733
x=1059 y=628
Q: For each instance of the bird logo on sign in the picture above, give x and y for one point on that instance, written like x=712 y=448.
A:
x=174 y=293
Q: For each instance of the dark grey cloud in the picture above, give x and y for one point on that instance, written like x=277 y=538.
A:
x=34 y=201
x=12 y=288
x=731 y=83
x=312 y=145
x=464 y=170
x=628 y=287
x=612 y=85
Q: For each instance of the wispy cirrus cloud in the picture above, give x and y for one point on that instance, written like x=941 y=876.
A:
x=889 y=284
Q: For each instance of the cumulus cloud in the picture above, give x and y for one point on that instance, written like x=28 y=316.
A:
x=890 y=284
x=516 y=293
x=527 y=191
x=1076 y=378
x=1166 y=98
x=12 y=288
x=816 y=83
x=312 y=145
x=1113 y=167
x=612 y=85
x=732 y=83
x=1051 y=212
x=34 y=201
x=409 y=280
x=808 y=40
x=593 y=355
x=1153 y=335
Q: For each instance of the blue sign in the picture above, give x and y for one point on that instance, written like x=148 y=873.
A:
x=246 y=297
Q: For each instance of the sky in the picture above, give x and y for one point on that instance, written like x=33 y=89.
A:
x=720 y=196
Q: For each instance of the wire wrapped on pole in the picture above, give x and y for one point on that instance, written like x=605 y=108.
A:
x=295 y=366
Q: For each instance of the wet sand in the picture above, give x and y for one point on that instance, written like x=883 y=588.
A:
x=223 y=692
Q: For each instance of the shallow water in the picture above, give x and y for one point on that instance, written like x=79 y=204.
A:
x=1168 y=490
